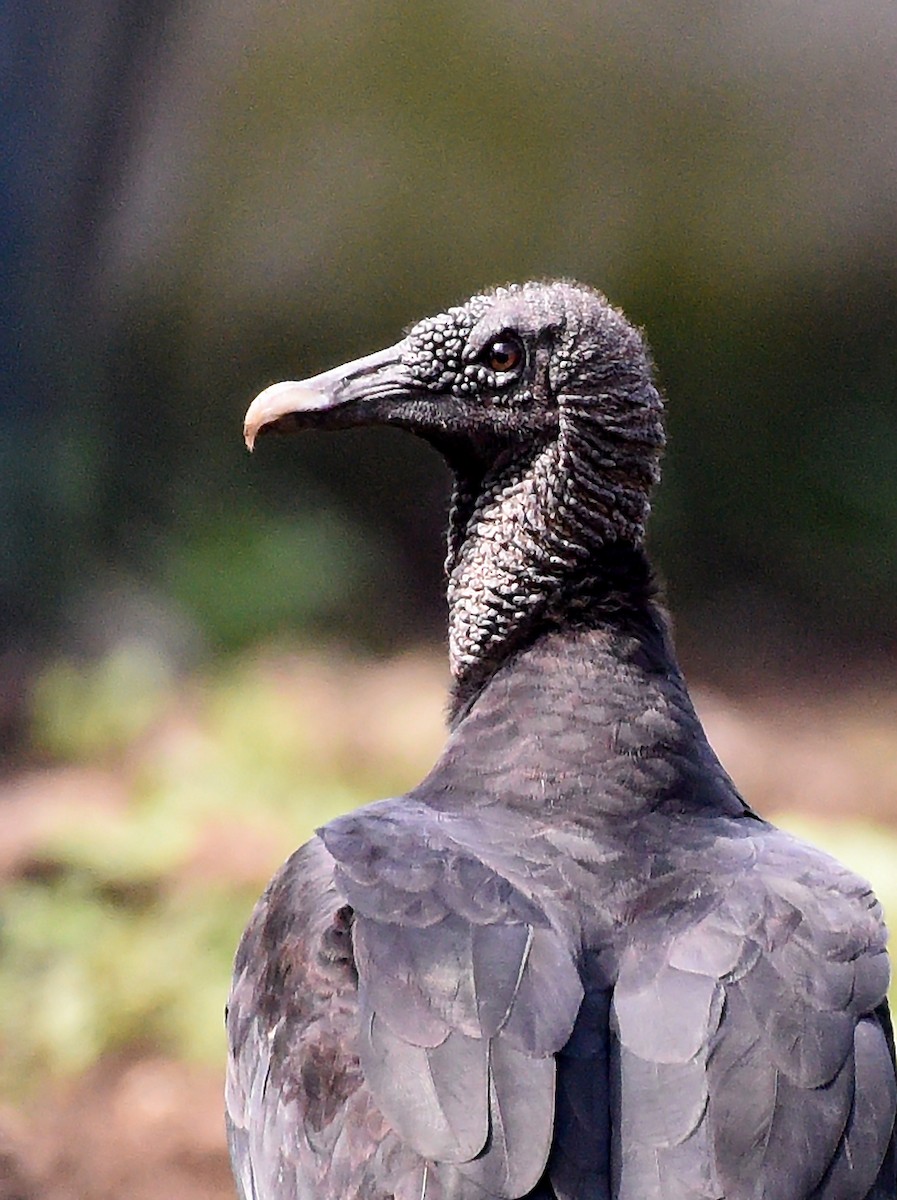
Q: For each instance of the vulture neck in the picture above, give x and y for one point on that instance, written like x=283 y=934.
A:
x=587 y=725
x=537 y=542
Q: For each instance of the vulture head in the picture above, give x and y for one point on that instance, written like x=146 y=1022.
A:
x=541 y=398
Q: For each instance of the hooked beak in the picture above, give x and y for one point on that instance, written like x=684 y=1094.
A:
x=358 y=393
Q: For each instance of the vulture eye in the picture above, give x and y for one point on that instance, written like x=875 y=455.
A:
x=503 y=354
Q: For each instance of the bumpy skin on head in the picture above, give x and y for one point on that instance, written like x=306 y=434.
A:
x=552 y=466
x=585 y=382
x=554 y=458
x=572 y=964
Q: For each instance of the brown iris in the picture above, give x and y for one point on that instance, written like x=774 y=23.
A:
x=504 y=354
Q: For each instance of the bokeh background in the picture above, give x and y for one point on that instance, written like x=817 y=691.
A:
x=204 y=655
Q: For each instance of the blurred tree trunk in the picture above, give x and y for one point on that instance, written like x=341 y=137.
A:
x=72 y=85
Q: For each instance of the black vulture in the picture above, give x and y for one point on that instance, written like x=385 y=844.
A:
x=572 y=964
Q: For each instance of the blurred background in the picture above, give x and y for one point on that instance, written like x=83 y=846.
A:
x=203 y=655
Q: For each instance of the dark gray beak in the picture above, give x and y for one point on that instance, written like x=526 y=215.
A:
x=355 y=394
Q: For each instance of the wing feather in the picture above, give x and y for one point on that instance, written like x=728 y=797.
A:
x=750 y=1051
x=465 y=995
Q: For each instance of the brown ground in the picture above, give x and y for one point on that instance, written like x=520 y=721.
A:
x=140 y=1130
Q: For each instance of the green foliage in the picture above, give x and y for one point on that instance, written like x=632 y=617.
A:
x=245 y=576
x=89 y=967
x=122 y=928
x=81 y=711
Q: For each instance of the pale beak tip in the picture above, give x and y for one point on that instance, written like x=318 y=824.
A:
x=278 y=401
x=257 y=416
